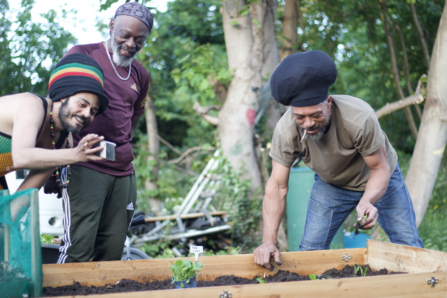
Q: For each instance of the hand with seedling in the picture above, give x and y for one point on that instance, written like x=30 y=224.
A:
x=359 y=224
x=366 y=215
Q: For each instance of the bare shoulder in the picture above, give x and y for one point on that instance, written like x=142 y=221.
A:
x=29 y=106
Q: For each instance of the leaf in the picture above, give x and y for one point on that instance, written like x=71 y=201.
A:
x=256 y=22
x=312 y=276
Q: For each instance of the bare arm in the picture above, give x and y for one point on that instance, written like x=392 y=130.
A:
x=36 y=179
x=135 y=120
x=272 y=210
x=25 y=155
x=375 y=187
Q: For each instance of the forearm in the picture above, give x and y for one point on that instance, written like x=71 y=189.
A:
x=38 y=158
x=272 y=210
x=36 y=179
x=377 y=184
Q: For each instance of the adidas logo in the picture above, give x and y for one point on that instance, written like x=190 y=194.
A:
x=134 y=87
x=130 y=206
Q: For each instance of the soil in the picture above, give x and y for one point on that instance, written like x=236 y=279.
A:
x=127 y=285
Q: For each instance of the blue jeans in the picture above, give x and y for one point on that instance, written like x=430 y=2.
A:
x=330 y=205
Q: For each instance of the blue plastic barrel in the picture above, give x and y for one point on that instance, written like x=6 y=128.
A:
x=301 y=180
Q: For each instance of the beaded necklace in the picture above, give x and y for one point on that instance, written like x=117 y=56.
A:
x=63 y=174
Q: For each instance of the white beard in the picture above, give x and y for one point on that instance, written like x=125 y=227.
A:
x=119 y=60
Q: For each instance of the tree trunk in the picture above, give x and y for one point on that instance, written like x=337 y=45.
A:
x=289 y=28
x=420 y=35
x=395 y=72
x=432 y=138
x=270 y=58
x=154 y=148
x=239 y=111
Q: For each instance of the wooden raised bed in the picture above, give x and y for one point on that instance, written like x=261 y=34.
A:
x=421 y=264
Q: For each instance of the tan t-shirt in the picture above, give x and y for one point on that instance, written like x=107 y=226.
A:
x=337 y=157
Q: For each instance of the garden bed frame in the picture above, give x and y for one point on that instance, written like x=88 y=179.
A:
x=422 y=265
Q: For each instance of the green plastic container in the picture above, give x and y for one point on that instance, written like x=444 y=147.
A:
x=301 y=180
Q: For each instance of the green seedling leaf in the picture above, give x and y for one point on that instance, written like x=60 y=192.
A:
x=184 y=270
x=312 y=276
x=366 y=270
x=260 y=280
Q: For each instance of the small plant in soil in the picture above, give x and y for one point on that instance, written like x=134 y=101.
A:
x=184 y=270
x=358 y=268
x=260 y=280
x=312 y=276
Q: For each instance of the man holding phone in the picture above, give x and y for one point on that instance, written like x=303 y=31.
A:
x=103 y=194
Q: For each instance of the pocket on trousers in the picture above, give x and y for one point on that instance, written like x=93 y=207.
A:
x=318 y=224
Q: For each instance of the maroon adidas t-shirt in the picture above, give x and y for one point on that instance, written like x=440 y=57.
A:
x=126 y=99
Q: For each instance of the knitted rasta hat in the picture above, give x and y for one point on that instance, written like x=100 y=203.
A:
x=77 y=73
x=303 y=79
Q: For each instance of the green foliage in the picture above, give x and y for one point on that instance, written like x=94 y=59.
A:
x=29 y=49
x=260 y=280
x=312 y=276
x=244 y=207
x=47 y=239
x=184 y=270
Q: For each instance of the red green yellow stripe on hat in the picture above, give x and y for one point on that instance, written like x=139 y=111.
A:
x=76 y=69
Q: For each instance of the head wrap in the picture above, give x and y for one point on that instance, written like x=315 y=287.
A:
x=136 y=10
x=77 y=73
x=303 y=79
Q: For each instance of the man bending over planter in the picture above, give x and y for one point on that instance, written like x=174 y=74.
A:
x=32 y=126
x=340 y=139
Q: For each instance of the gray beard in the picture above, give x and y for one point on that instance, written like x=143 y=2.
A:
x=119 y=60
x=320 y=134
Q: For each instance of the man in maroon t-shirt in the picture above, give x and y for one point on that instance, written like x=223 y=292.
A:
x=102 y=194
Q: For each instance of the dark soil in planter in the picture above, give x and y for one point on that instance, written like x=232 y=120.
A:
x=127 y=285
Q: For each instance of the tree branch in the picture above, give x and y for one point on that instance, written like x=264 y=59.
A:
x=397 y=105
x=189 y=151
x=203 y=112
x=395 y=70
x=169 y=145
x=421 y=35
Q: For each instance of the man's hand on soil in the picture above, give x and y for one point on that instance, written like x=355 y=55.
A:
x=263 y=253
x=366 y=208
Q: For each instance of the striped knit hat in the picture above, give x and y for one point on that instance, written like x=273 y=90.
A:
x=77 y=73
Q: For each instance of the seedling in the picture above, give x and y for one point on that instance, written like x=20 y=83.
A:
x=184 y=270
x=260 y=280
x=359 y=224
x=312 y=276
x=358 y=268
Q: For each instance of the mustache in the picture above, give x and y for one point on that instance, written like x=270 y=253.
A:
x=84 y=119
x=132 y=51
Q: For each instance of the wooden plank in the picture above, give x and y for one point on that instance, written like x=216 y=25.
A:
x=184 y=216
x=102 y=273
x=403 y=258
x=394 y=286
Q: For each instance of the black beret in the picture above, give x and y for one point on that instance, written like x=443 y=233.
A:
x=303 y=79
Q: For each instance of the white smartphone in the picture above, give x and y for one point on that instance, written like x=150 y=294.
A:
x=108 y=152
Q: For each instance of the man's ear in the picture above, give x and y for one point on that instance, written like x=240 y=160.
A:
x=111 y=25
x=329 y=101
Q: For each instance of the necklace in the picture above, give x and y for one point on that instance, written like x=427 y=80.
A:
x=63 y=174
x=113 y=65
